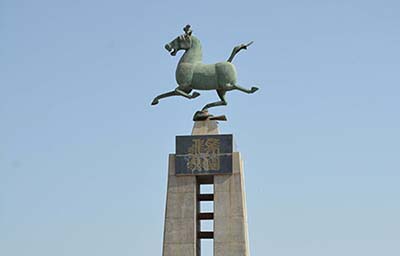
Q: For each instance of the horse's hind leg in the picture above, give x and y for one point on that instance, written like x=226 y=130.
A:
x=222 y=102
x=251 y=90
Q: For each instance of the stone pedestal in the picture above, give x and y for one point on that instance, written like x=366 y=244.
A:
x=224 y=170
x=230 y=214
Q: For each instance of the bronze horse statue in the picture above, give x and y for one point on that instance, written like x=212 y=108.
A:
x=192 y=74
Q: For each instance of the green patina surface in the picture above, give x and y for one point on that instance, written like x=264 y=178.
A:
x=192 y=74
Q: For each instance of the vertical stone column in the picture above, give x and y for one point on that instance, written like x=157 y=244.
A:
x=181 y=226
x=230 y=214
x=180 y=214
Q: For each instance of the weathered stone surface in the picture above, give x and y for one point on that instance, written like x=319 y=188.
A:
x=180 y=249
x=208 y=127
x=237 y=163
x=227 y=183
x=230 y=249
x=230 y=229
x=184 y=209
x=180 y=214
x=228 y=204
x=179 y=230
x=230 y=218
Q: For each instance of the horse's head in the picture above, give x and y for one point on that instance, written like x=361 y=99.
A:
x=182 y=42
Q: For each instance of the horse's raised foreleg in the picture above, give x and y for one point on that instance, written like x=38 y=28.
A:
x=222 y=102
x=164 y=95
x=251 y=90
x=186 y=94
x=176 y=92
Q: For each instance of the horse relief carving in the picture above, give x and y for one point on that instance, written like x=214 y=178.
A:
x=192 y=74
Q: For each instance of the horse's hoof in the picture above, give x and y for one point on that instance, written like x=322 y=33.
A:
x=201 y=115
x=195 y=95
x=154 y=102
x=254 y=89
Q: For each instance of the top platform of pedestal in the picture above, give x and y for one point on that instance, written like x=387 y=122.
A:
x=206 y=127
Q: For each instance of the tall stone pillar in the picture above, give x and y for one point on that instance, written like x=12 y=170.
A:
x=230 y=214
x=205 y=157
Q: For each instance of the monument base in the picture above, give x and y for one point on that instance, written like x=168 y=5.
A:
x=183 y=216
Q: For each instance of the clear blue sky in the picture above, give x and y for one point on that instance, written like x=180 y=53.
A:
x=83 y=155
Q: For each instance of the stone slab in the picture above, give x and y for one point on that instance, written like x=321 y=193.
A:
x=204 y=154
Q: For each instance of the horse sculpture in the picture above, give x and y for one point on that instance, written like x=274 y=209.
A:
x=191 y=73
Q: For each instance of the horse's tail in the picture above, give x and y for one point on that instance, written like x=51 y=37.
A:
x=237 y=49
